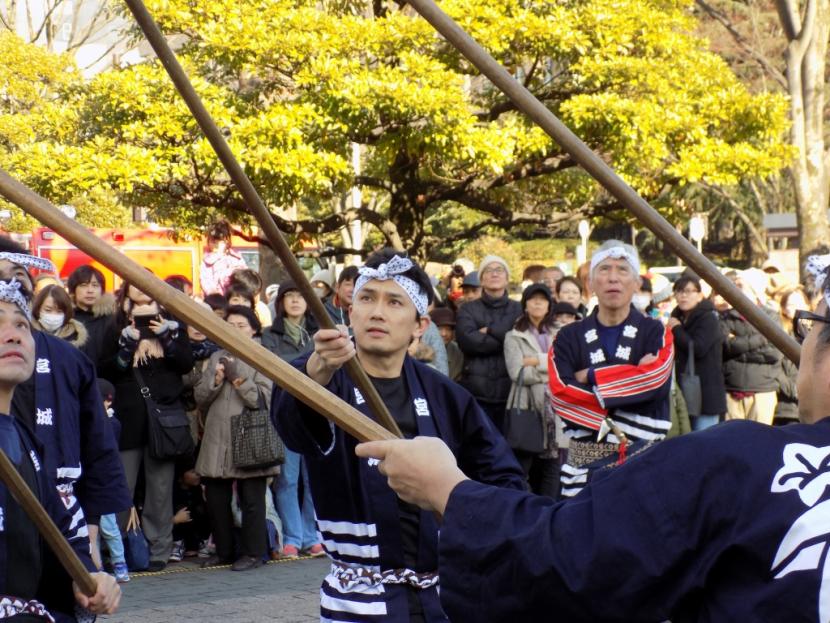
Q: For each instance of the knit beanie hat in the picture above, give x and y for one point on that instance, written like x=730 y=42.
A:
x=493 y=259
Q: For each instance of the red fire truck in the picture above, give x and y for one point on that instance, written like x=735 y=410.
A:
x=155 y=249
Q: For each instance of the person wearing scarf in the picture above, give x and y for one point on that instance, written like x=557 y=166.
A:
x=289 y=337
x=384 y=552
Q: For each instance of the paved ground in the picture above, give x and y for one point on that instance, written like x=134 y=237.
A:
x=286 y=591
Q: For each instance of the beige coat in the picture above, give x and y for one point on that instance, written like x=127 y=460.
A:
x=517 y=346
x=220 y=404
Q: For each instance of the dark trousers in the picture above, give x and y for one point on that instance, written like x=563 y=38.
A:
x=251 y=491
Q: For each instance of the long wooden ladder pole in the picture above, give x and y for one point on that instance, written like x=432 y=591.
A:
x=253 y=200
x=526 y=102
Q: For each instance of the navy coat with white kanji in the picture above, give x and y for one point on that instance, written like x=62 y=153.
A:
x=731 y=524
x=80 y=450
x=357 y=512
x=50 y=593
x=635 y=396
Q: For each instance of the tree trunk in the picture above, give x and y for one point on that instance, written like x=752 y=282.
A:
x=805 y=62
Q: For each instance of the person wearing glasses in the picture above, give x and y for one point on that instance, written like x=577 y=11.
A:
x=695 y=325
x=744 y=538
x=751 y=363
x=480 y=329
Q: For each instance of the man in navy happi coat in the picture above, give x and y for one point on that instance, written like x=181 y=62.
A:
x=610 y=374
x=26 y=592
x=731 y=524
x=384 y=552
x=61 y=403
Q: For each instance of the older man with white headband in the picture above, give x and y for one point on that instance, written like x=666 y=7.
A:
x=727 y=524
x=610 y=374
x=384 y=552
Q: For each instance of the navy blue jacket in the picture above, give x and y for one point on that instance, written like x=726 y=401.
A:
x=729 y=524
x=51 y=594
x=68 y=418
x=357 y=512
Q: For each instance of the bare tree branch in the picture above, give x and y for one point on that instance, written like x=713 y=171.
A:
x=742 y=42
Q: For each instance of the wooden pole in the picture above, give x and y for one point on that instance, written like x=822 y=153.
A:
x=286 y=376
x=47 y=528
x=526 y=102
x=252 y=200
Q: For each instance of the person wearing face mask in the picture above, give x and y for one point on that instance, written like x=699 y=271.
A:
x=53 y=314
x=642 y=301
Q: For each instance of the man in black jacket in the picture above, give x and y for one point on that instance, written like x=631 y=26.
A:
x=750 y=362
x=480 y=329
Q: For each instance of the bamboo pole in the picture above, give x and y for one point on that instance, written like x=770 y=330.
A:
x=526 y=102
x=286 y=376
x=47 y=528
x=253 y=200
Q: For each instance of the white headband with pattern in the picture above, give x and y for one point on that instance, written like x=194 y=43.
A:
x=10 y=292
x=392 y=270
x=617 y=253
x=819 y=266
x=30 y=261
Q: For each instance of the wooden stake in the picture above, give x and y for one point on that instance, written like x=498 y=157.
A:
x=286 y=376
x=596 y=167
x=47 y=528
x=253 y=200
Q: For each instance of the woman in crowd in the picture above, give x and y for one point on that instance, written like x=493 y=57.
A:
x=694 y=323
x=790 y=300
x=569 y=290
x=240 y=294
x=290 y=337
x=52 y=312
x=526 y=351
x=251 y=280
x=220 y=262
x=227 y=387
x=153 y=351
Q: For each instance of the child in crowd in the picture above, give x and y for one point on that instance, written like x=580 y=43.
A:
x=108 y=528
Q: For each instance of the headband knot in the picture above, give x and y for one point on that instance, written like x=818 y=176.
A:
x=819 y=267
x=12 y=292
x=394 y=269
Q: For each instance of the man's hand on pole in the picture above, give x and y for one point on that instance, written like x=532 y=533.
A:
x=107 y=595
x=422 y=471
x=332 y=348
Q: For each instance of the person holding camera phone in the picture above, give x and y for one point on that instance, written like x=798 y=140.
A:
x=157 y=346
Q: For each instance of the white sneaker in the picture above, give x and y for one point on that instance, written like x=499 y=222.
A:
x=177 y=553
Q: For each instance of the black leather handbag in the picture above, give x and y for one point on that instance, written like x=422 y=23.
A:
x=525 y=429
x=168 y=426
x=254 y=440
x=690 y=385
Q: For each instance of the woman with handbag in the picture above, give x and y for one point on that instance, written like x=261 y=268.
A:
x=151 y=355
x=530 y=426
x=228 y=388
x=289 y=337
x=698 y=345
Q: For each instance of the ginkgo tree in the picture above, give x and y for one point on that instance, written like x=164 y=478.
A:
x=295 y=83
